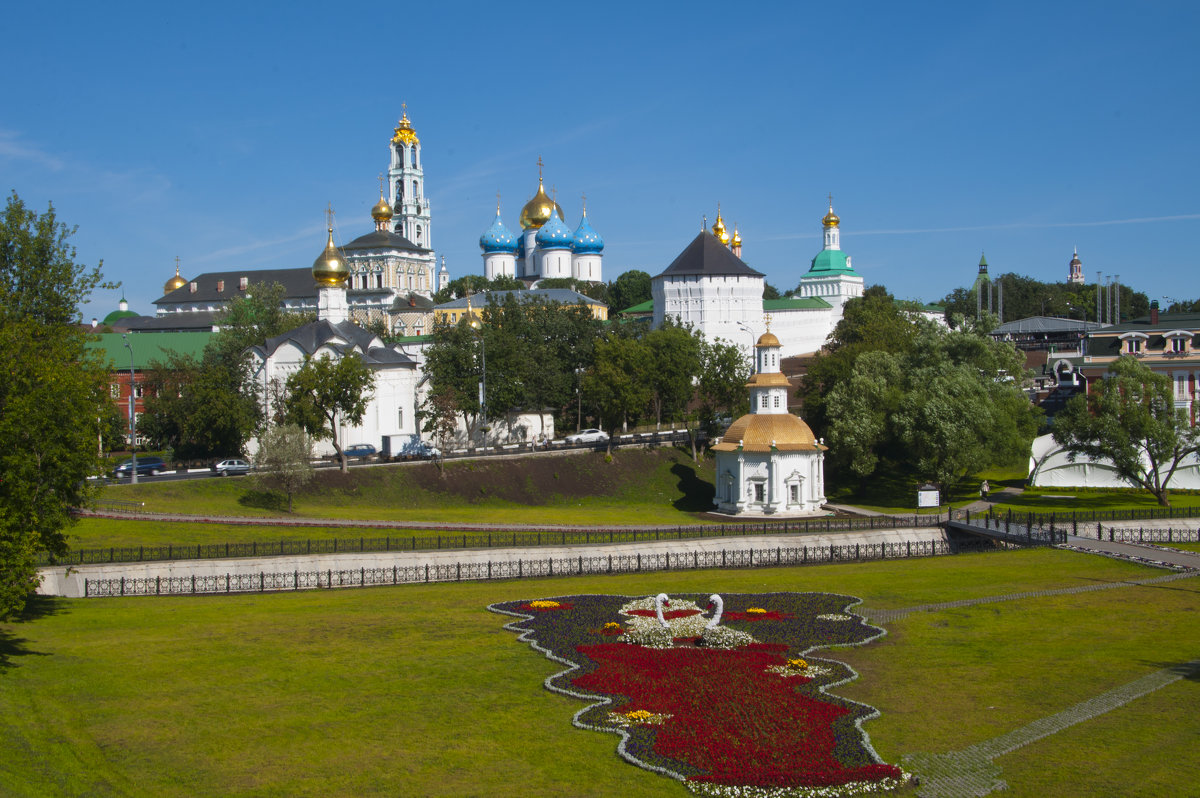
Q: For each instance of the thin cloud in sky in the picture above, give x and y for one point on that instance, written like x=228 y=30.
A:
x=12 y=147
x=1181 y=217
x=253 y=246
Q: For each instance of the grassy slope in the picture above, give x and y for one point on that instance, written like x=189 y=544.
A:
x=417 y=690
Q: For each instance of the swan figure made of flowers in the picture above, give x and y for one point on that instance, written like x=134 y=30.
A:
x=717 y=636
x=658 y=622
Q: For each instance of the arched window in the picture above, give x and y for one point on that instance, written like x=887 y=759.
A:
x=418 y=234
x=399 y=191
x=416 y=191
x=414 y=156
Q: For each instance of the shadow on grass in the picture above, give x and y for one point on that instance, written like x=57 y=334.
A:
x=696 y=495
x=11 y=646
x=1188 y=670
x=264 y=500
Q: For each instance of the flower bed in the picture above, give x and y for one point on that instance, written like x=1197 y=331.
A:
x=750 y=718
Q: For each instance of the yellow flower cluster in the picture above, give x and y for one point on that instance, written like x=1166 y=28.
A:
x=798 y=664
x=611 y=626
x=639 y=714
x=755 y=611
x=543 y=604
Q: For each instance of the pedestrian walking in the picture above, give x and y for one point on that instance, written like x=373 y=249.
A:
x=983 y=490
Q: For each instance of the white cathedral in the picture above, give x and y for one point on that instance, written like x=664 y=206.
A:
x=710 y=287
x=546 y=247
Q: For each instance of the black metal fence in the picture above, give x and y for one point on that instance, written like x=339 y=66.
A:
x=1015 y=532
x=1141 y=535
x=482 y=538
x=520 y=569
x=1091 y=524
x=1083 y=518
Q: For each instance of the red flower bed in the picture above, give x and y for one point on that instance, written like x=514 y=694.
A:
x=729 y=718
x=769 y=615
x=667 y=614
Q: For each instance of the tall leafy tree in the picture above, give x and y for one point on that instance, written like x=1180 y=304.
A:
x=1130 y=419
x=210 y=407
x=53 y=395
x=629 y=289
x=326 y=393
x=618 y=383
x=723 y=376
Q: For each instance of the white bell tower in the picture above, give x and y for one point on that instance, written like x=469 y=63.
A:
x=406 y=176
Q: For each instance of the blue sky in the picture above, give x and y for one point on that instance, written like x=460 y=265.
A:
x=219 y=132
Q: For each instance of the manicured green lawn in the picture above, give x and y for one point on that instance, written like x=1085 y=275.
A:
x=419 y=691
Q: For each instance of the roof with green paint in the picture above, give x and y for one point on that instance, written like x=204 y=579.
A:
x=148 y=346
x=117 y=315
x=830 y=261
x=795 y=303
x=644 y=307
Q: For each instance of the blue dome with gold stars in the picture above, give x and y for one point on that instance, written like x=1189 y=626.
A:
x=587 y=240
x=555 y=234
x=498 y=238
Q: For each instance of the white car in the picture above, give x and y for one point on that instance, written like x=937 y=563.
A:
x=423 y=450
x=588 y=436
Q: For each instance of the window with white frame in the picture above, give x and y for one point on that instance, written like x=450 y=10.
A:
x=762 y=401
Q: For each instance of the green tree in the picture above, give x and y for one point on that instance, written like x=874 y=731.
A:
x=326 y=393
x=212 y=406
x=945 y=407
x=283 y=461
x=437 y=416
x=618 y=382
x=629 y=289
x=54 y=400
x=1130 y=419
x=724 y=373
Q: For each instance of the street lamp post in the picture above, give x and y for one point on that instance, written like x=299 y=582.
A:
x=477 y=326
x=750 y=351
x=132 y=415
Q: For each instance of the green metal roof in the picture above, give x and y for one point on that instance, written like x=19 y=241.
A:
x=148 y=346
x=795 y=303
x=413 y=339
x=644 y=307
x=831 y=261
x=117 y=315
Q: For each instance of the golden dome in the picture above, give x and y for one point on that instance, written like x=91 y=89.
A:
x=831 y=219
x=718 y=228
x=762 y=432
x=382 y=212
x=404 y=132
x=539 y=209
x=330 y=266
x=737 y=237
x=175 y=282
x=767 y=339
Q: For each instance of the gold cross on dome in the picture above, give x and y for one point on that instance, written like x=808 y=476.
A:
x=381 y=185
x=329 y=215
x=767 y=321
x=831 y=200
x=497 y=202
x=540 y=165
x=584 y=198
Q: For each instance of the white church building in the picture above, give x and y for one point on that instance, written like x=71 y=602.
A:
x=710 y=287
x=546 y=247
x=768 y=461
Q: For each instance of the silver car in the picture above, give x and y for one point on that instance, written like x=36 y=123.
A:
x=228 y=467
x=588 y=436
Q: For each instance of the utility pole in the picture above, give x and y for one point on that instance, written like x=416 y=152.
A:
x=132 y=414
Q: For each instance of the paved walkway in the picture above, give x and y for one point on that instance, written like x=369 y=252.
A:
x=69 y=580
x=971 y=772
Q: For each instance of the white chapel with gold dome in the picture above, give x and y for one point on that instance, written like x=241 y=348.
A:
x=768 y=462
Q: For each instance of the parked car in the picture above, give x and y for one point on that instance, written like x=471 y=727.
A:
x=145 y=465
x=359 y=450
x=227 y=467
x=588 y=436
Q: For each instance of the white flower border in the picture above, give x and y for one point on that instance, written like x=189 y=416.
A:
x=723 y=790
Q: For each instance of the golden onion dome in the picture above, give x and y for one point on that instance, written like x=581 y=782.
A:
x=382 y=212
x=404 y=132
x=539 y=209
x=831 y=219
x=175 y=282
x=330 y=266
x=767 y=339
x=737 y=237
x=718 y=228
